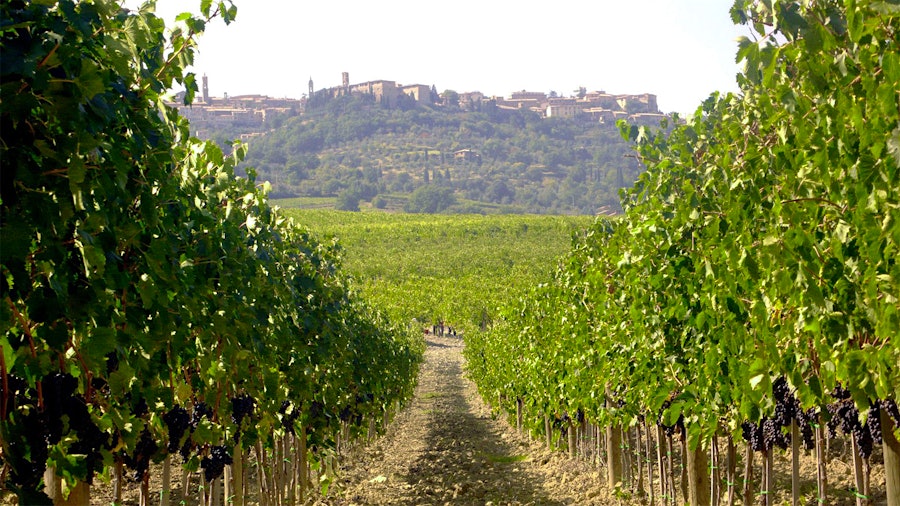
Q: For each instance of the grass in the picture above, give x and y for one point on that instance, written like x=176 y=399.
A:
x=503 y=459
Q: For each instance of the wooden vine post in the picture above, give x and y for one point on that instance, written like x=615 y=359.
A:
x=519 y=415
x=166 y=494
x=891 y=460
x=698 y=476
x=795 y=463
x=748 y=476
x=613 y=456
x=821 y=469
x=238 y=475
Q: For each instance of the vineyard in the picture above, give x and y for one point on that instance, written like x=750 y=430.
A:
x=455 y=268
x=733 y=337
x=157 y=311
x=745 y=306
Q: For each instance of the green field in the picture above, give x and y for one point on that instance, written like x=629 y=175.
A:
x=456 y=268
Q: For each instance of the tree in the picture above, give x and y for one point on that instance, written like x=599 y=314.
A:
x=450 y=98
x=430 y=199
x=348 y=200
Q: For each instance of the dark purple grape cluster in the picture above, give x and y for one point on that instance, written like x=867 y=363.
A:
x=61 y=400
x=178 y=421
x=765 y=435
x=139 y=460
x=773 y=435
x=845 y=416
x=806 y=421
x=786 y=405
x=214 y=464
x=890 y=407
x=753 y=435
x=241 y=406
x=201 y=411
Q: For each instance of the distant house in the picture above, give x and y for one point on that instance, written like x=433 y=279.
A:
x=385 y=92
x=466 y=155
x=562 y=108
x=420 y=92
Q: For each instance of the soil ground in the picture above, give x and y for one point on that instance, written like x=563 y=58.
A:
x=445 y=447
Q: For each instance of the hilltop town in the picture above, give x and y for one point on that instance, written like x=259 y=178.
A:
x=250 y=115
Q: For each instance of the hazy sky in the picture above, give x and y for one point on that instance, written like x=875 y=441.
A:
x=679 y=50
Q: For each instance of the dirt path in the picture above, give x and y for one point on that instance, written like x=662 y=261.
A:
x=445 y=448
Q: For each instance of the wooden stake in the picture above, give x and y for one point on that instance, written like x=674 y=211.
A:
x=228 y=482
x=238 y=475
x=648 y=454
x=613 y=456
x=821 y=464
x=732 y=470
x=714 y=483
x=698 y=475
x=661 y=463
x=145 y=489
x=768 y=477
x=748 y=476
x=304 y=465
x=118 y=479
x=519 y=415
x=861 y=498
x=166 y=494
x=573 y=429
x=185 y=484
x=547 y=431
x=685 y=486
x=891 y=448
x=262 y=484
x=795 y=463
x=638 y=450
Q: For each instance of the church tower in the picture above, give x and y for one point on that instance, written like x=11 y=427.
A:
x=205 y=89
x=310 y=87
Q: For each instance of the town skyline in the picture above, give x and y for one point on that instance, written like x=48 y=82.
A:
x=254 y=112
x=683 y=50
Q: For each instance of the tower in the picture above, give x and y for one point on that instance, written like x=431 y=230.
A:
x=345 y=80
x=205 y=89
x=310 y=87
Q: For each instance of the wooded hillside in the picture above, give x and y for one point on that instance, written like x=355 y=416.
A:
x=431 y=159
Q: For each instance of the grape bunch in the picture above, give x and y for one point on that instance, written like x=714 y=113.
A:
x=752 y=434
x=28 y=450
x=139 y=461
x=62 y=403
x=241 y=406
x=215 y=463
x=200 y=411
x=845 y=416
x=58 y=389
x=890 y=407
x=806 y=420
x=773 y=435
x=177 y=421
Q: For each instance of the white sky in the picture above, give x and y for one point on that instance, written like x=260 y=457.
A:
x=679 y=50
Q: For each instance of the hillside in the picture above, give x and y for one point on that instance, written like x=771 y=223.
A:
x=434 y=158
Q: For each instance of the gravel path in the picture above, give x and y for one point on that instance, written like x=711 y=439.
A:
x=446 y=448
